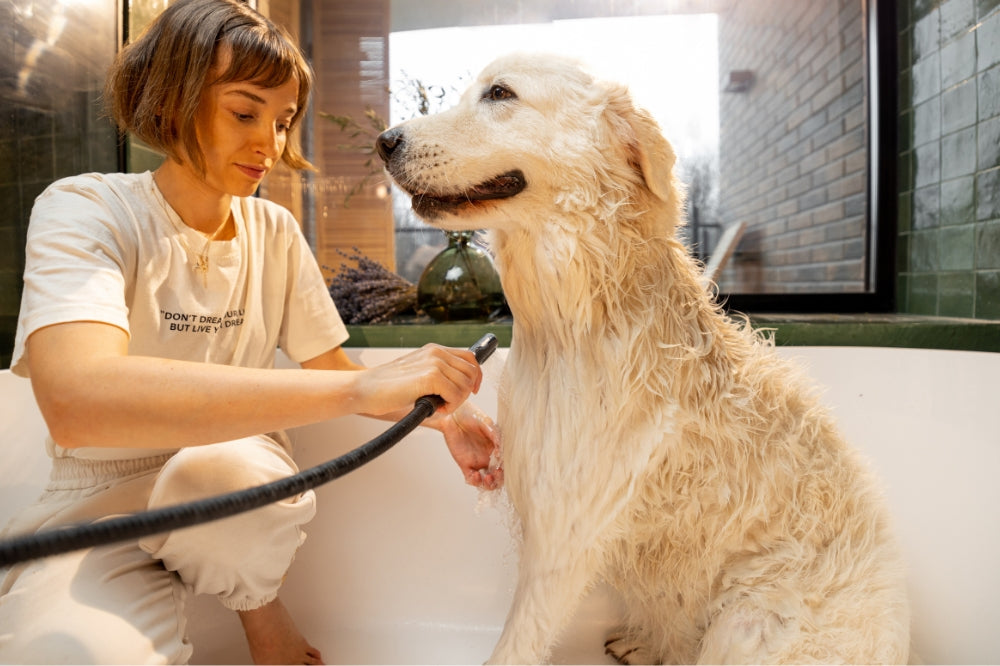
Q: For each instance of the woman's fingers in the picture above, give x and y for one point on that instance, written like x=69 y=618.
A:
x=449 y=373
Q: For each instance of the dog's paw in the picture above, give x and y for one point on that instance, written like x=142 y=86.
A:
x=625 y=650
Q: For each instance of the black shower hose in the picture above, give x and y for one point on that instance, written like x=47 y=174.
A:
x=133 y=526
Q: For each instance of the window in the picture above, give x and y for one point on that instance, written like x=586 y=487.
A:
x=774 y=106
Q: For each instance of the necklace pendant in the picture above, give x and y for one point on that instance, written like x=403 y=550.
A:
x=201 y=266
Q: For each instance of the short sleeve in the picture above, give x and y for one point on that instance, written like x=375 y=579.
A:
x=76 y=258
x=311 y=324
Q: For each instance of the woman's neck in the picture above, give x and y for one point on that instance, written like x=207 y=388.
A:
x=199 y=205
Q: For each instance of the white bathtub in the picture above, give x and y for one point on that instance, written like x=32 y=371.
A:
x=400 y=567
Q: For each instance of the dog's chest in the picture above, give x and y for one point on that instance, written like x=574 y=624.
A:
x=550 y=402
x=564 y=427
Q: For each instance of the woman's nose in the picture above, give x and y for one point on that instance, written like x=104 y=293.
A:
x=270 y=141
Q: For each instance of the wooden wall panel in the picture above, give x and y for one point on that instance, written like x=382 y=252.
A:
x=283 y=185
x=350 y=56
x=350 y=62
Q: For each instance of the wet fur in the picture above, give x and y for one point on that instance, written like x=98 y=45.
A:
x=649 y=439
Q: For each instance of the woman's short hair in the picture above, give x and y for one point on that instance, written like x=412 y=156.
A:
x=155 y=85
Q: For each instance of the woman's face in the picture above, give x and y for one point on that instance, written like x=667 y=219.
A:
x=242 y=130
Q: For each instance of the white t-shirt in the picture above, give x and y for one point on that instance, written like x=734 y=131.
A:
x=108 y=248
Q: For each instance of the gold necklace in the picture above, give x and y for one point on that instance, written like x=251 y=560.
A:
x=201 y=264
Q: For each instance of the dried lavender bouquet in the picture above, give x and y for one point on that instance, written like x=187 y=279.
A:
x=369 y=293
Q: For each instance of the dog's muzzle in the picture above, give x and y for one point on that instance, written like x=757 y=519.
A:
x=427 y=203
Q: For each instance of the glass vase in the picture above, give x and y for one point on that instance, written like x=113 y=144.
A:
x=460 y=283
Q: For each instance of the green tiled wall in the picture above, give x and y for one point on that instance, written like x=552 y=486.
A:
x=949 y=164
x=51 y=123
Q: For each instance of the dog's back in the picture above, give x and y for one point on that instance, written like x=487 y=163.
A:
x=714 y=491
x=761 y=536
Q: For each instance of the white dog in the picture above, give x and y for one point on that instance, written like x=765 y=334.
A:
x=649 y=440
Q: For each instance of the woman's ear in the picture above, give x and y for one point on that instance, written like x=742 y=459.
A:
x=651 y=153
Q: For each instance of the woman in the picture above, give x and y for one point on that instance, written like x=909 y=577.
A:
x=152 y=309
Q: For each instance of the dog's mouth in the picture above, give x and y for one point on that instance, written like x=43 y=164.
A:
x=431 y=204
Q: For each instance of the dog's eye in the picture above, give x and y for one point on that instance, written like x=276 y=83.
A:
x=498 y=93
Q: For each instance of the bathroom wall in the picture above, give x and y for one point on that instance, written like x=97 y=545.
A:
x=949 y=133
x=949 y=163
x=51 y=75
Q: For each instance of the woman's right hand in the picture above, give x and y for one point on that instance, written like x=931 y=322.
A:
x=431 y=370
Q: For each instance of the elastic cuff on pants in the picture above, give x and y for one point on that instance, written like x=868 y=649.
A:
x=244 y=604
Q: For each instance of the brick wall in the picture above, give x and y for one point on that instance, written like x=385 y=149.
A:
x=793 y=147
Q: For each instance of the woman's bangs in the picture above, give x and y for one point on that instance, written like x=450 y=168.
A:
x=262 y=59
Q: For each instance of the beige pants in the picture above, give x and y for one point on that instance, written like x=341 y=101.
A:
x=124 y=603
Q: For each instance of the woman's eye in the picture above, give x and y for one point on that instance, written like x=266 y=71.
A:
x=498 y=93
x=243 y=117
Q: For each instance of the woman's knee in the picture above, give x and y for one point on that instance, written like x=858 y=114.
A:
x=203 y=471
x=242 y=557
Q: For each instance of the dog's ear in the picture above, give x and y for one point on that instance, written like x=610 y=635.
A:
x=651 y=153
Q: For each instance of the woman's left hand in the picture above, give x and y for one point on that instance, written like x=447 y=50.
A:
x=474 y=442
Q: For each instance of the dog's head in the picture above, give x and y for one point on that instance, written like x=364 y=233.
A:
x=531 y=133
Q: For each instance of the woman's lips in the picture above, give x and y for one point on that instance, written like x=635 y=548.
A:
x=253 y=172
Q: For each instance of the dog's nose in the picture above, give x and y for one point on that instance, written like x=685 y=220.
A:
x=388 y=141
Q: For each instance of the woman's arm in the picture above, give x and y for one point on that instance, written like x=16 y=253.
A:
x=92 y=393
x=335 y=359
